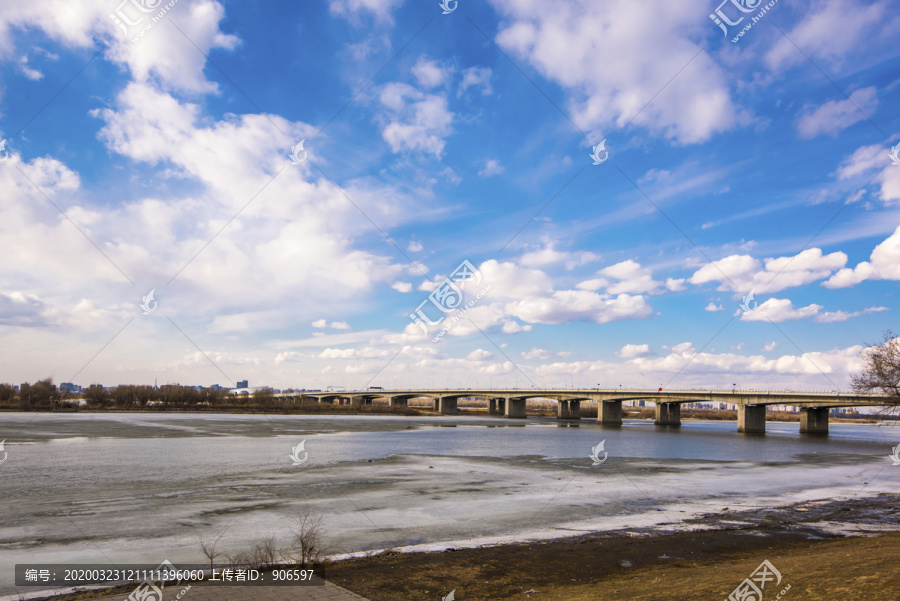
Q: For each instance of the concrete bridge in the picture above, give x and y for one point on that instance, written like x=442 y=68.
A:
x=510 y=402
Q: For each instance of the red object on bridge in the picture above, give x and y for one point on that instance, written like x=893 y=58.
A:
x=660 y=389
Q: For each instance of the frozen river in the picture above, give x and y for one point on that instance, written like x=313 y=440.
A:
x=140 y=487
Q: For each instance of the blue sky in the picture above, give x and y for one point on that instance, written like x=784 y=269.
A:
x=162 y=162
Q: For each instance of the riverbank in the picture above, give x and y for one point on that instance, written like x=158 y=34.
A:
x=808 y=543
x=824 y=551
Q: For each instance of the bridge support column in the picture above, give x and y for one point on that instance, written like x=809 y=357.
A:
x=398 y=401
x=814 y=420
x=574 y=409
x=447 y=406
x=501 y=406
x=515 y=408
x=751 y=419
x=668 y=414
x=609 y=413
x=562 y=410
x=492 y=406
x=368 y=401
x=436 y=406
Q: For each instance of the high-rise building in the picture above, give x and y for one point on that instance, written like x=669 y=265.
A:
x=243 y=384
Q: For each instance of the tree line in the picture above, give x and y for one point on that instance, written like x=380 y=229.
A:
x=44 y=395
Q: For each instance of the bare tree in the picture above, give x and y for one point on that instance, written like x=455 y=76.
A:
x=881 y=371
x=208 y=547
x=309 y=540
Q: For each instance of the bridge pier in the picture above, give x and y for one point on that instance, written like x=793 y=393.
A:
x=397 y=401
x=609 y=413
x=436 y=406
x=752 y=419
x=668 y=414
x=814 y=420
x=447 y=406
x=562 y=410
x=574 y=409
x=515 y=408
x=492 y=406
x=501 y=406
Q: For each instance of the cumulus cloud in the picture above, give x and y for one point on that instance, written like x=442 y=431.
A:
x=743 y=273
x=537 y=353
x=780 y=309
x=883 y=264
x=402 y=286
x=560 y=41
x=631 y=351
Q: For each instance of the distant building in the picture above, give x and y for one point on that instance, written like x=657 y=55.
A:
x=215 y=387
x=243 y=384
x=69 y=387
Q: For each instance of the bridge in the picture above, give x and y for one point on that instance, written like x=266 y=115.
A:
x=511 y=402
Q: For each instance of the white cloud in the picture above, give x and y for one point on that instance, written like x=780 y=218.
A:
x=476 y=76
x=350 y=353
x=675 y=285
x=771 y=346
x=337 y=325
x=743 y=273
x=514 y=327
x=415 y=121
x=480 y=355
x=429 y=73
x=402 y=286
x=835 y=116
x=561 y=41
x=830 y=31
x=577 y=305
x=414 y=247
x=874 y=158
x=712 y=307
x=780 y=309
x=381 y=10
x=883 y=264
x=631 y=351
x=492 y=167
x=547 y=254
x=536 y=353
